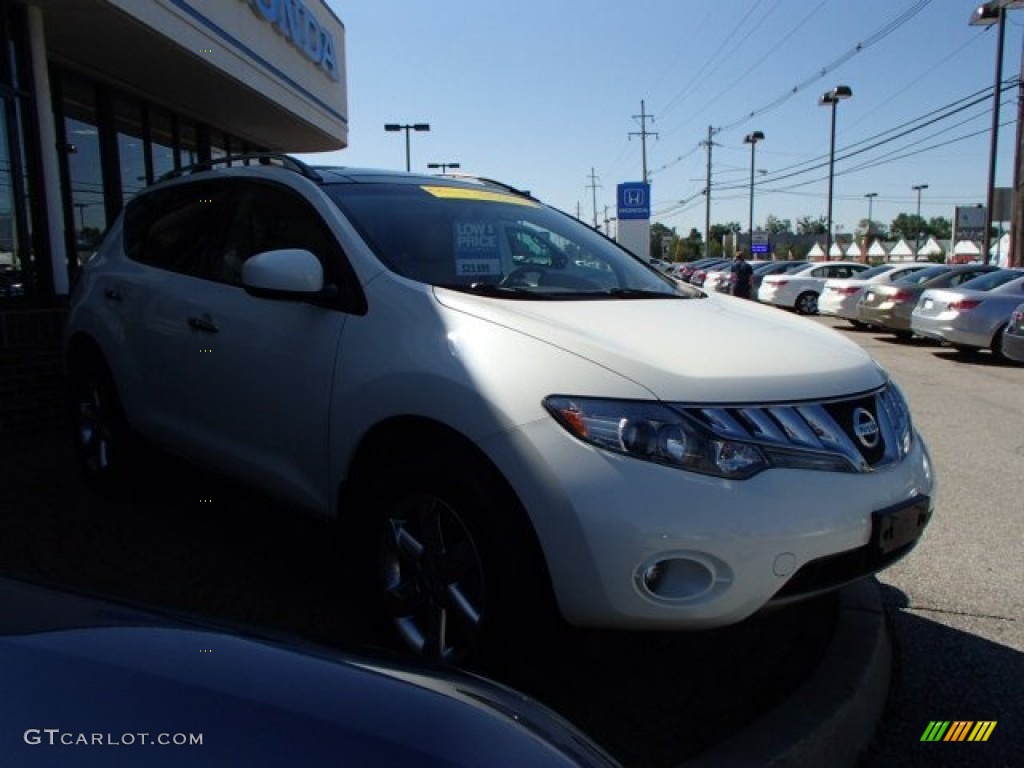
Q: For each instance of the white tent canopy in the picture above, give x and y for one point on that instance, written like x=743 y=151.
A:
x=816 y=252
x=966 y=248
x=1000 y=251
x=931 y=248
x=901 y=251
x=877 y=250
x=836 y=251
x=853 y=252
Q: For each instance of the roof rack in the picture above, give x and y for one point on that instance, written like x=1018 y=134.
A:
x=501 y=184
x=261 y=158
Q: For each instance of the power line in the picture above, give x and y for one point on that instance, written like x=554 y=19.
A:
x=874 y=38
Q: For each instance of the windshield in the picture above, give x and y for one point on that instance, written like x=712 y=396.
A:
x=921 y=276
x=486 y=241
x=991 y=280
x=881 y=269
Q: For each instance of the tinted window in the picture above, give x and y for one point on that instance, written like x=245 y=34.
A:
x=178 y=228
x=989 y=281
x=922 y=276
x=881 y=269
x=269 y=218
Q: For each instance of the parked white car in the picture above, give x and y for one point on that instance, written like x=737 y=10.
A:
x=502 y=408
x=800 y=290
x=839 y=298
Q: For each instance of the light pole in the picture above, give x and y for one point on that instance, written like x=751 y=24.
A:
x=443 y=166
x=987 y=14
x=867 y=230
x=917 y=239
x=393 y=127
x=832 y=99
x=752 y=139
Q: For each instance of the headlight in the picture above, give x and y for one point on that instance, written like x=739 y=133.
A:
x=654 y=432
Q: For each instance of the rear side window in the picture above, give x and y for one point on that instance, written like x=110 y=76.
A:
x=178 y=228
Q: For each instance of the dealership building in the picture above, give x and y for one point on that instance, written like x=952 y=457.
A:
x=102 y=97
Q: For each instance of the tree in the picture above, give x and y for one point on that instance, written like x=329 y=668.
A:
x=776 y=226
x=877 y=229
x=940 y=228
x=661 y=234
x=810 y=225
x=908 y=226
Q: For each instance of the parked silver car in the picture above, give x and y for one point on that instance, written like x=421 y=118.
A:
x=1013 y=336
x=888 y=307
x=972 y=316
x=839 y=297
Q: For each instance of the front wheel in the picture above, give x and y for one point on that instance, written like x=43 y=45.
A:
x=101 y=433
x=807 y=303
x=457 y=573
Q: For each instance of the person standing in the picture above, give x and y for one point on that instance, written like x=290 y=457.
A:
x=743 y=275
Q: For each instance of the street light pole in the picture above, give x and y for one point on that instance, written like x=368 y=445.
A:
x=917 y=239
x=867 y=230
x=832 y=99
x=443 y=166
x=752 y=139
x=393 y=127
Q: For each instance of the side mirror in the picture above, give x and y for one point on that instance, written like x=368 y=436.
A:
x=288 y=273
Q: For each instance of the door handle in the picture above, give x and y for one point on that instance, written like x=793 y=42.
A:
x=204 y=323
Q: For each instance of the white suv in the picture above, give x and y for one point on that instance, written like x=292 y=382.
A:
x=499 y=405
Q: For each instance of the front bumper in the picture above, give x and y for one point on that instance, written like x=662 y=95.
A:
x=724 y=548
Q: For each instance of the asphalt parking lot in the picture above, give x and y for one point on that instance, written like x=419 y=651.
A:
x=190 y=542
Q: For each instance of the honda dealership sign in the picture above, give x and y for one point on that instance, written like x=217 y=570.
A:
x=634 y=200
x=633 y=210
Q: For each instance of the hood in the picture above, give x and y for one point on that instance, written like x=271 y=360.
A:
x=717 y=349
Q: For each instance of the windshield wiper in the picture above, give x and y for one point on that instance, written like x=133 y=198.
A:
x=636 y=293
x=498 y=291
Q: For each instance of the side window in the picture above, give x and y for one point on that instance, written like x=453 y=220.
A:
x=820 y=272
x=963 y=277
x=269 y=218
x=178 y=229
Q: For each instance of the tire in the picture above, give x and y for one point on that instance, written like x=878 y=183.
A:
x=807 y=303
x=104 y=442
x=997 y=344
x=456 y=577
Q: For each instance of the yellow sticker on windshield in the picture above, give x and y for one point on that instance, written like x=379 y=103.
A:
x=461 y=193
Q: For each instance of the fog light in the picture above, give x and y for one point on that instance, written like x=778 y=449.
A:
x=677 y=578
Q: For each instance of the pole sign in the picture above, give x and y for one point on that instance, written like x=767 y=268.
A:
x=634 y=200
x=759 y=243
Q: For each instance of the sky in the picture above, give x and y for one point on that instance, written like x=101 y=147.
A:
x=543 y=94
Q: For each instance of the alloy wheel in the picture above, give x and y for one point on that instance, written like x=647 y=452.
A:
x=433 y=577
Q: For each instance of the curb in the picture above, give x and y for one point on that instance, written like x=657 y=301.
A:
x=831 y=719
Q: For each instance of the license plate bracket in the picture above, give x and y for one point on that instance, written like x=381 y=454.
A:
x=895 y=527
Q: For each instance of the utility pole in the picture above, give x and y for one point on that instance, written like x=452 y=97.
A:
x=643 y=133
x=593 y=189
x=707 y=195
x=1017 y=220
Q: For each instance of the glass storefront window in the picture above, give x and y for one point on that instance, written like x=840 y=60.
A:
x=11 y=269
x=161 y=142
x=130 y=148
x=188 y=143
x=85 y=170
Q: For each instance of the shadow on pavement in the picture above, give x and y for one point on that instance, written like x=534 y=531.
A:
x=187 y=541
x=945 y=674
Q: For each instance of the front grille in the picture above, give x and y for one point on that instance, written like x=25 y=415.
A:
x=868 y=431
